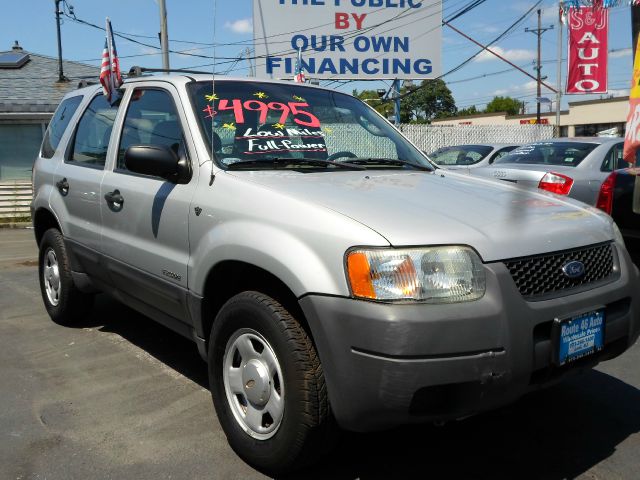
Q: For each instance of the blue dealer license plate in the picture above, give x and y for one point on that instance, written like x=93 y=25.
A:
x=579 y=336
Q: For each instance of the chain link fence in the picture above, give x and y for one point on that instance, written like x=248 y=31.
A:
x=352 y=137
x=431 y=137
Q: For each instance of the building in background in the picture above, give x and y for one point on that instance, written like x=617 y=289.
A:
x=29 y=94
x=585 y=118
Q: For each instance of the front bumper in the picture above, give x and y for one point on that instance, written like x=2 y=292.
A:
x=392 y=364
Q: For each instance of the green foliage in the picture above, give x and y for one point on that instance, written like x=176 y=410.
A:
x=433 y=100
x=472 y=110
x=504 y=104
x=371 y=98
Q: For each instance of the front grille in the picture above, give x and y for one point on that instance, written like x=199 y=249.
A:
x=543 y=275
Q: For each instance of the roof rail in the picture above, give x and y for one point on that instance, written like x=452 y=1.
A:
x=86 y=83
x=136 y=71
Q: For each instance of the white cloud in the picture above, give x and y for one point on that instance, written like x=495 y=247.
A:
x=618 y=92
x=550 y=14
x=149 y=51
x=624 y=52
x=527 y=87
x=514 y=55
x=484 y=28
x=243 y=25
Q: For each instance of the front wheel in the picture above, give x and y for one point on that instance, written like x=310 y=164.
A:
x=267 y=385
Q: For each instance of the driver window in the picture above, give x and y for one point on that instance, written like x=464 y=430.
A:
x=151 y=119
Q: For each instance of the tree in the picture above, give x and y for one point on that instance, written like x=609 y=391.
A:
x=432 y=100
x=472 y=110
x=504 y=104
x=371 y=97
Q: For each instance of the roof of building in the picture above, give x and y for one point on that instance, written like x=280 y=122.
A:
x=597 y=101
x=32 y=86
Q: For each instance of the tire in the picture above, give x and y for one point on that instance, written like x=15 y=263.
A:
x=303 y=431
x=65 y=304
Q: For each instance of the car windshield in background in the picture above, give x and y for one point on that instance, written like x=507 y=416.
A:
x=262 y=125
x=461 y=155
x=568 y=154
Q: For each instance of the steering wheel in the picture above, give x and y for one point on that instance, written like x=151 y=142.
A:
x=344 y=154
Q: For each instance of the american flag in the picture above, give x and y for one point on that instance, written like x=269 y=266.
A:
x=298 y=75
x=110 y=76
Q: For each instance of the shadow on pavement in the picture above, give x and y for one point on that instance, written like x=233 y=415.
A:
x=553 y=434
x=172 y=349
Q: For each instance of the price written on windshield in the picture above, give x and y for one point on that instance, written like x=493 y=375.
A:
x=294 y=109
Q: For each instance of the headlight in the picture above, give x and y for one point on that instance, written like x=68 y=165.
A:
x=430 y=275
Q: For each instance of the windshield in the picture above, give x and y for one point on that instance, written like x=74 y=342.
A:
x=568 y=154
x=461 y=155
x=256 y=123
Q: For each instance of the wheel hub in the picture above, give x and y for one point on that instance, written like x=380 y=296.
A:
x=253 y=383
x=51 y=277
x=256 y=381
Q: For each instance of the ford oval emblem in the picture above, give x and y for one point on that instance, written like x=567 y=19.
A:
x=574 y=269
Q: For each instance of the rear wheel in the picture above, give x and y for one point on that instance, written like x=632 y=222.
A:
x=65 y=304
x=267 y=385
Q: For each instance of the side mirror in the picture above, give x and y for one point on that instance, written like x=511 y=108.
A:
x=158 y=161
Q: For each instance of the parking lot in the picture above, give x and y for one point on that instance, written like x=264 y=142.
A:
x=122 y=397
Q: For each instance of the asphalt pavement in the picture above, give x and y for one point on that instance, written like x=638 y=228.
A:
x=121 y=397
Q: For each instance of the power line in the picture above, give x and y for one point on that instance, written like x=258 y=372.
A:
x=461 y=65
x=350 y=35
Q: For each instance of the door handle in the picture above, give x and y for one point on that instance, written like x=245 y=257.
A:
x=63 y=186
x=114 y=198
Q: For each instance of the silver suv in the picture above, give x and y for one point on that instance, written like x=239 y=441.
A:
x=328 y=272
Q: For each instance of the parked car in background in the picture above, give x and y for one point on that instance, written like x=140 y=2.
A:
x=465 y=157
x=620 y=197
x=566 y=166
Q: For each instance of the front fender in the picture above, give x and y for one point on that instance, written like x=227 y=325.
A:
x=310 y=265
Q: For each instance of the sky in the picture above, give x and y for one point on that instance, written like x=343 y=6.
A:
x=32 y=23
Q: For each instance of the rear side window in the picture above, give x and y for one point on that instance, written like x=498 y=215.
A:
x=613 y=160
x=91 y=140
x=568 y=154
x=59 y=124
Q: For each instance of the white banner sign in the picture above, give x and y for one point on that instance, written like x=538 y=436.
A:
x=348 y=39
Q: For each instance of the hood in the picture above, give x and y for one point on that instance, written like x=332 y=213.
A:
x=497 y=219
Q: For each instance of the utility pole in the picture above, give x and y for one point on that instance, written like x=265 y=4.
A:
x=164 y=36
x=247 y=52
x=559 y=76
x=60 y=72
x=539 y=31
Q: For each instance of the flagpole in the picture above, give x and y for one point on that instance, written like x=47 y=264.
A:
x=110 y=79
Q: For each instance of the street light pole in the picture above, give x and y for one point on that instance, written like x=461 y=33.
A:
x=164 y=36
x=396 y=101
x=60 y=71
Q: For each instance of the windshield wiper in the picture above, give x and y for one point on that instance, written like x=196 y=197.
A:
x=286 y=162
x=385 y=161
